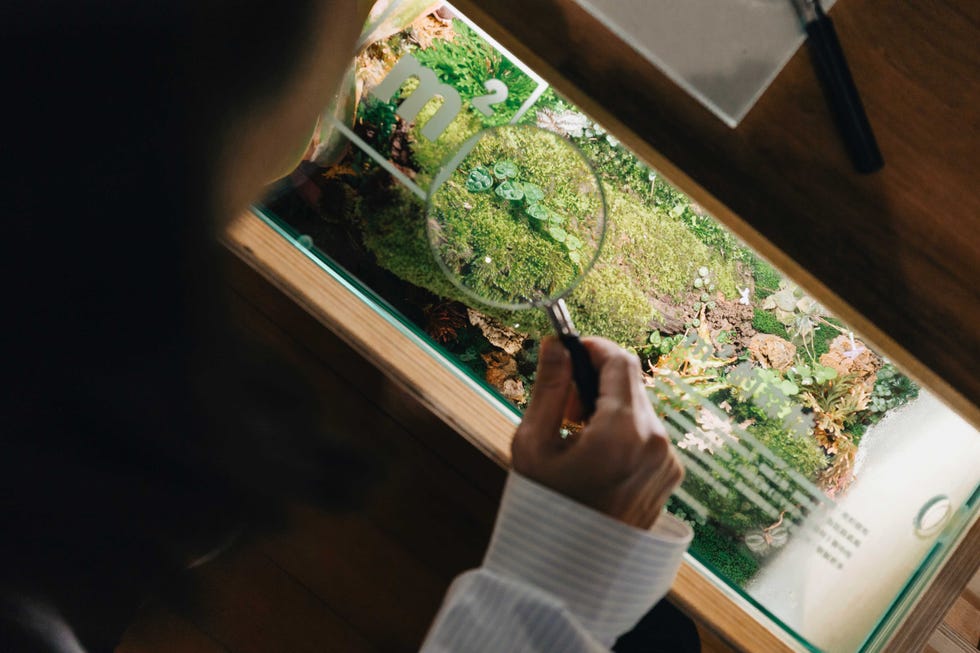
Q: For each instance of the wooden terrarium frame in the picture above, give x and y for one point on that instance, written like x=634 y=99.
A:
x=725 y=171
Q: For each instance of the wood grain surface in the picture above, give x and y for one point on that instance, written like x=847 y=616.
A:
x=894 y=253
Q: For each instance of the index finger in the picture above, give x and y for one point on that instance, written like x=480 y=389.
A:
x=550 y=396
x=619 y=370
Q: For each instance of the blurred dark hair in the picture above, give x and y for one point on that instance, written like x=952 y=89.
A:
x=133 y=417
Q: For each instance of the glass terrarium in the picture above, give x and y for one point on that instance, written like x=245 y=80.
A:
x=824 y=486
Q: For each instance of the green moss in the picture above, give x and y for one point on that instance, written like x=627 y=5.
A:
x=802 y=453
x=393 y=229
x=766 y=277
x=489 y=237
x=645 y=252
x=393 y=226
x=467 y=61
x=765 y=322
x=662 y=256
x=609 y=303
x=722 y=555
x=430 y=155
x=823 y=336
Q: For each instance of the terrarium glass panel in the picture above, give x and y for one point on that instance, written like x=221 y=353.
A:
x=823 y=485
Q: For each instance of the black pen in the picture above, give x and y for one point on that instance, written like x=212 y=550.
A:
x=838 y=87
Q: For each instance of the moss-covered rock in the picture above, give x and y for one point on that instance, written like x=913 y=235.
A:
x=662 y=256
x=646 y=256
x=609 y=303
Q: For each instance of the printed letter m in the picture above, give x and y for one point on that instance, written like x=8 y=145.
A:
x=429 y=87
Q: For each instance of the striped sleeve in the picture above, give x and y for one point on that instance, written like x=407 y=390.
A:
x=558 y=576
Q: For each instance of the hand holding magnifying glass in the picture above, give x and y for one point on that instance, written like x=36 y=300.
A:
x=516 y=218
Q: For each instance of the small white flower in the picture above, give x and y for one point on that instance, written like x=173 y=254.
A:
x=744 y=296
x=856 y=349
x=487 y=259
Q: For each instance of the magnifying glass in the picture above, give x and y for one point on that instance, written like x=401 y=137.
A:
x=516 y=218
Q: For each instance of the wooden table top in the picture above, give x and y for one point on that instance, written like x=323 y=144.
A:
x=894 y=253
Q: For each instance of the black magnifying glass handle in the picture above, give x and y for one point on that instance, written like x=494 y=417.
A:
x=583 y=371
x=839 y=88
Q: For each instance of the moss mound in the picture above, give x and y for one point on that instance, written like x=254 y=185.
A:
x=646 y=253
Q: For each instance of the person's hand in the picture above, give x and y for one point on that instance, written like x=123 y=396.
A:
x=621 y=463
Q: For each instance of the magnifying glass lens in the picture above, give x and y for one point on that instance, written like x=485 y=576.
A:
x=516 y=217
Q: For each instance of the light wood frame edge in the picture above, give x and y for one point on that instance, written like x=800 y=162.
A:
x=444 y=393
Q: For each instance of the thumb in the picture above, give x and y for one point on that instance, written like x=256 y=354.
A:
x=552 y=384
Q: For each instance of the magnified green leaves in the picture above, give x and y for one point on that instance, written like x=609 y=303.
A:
x=533 y=193
x=520 y=219
x=479 y=180
x=538 y=211
x=510 y=190
x=557 y=233
x=504 y=169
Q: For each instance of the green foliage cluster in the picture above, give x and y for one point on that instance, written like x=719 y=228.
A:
x=382 y=117
x=651 y=251
x=732 y=513
x=802 y=454
x=467 y=61
x=658 y=344
x=533 y=200
x=856 y=431
x=604 y=303
x=717 y=549
x=892 y=389
x=765 y=276
x=644 y=252
x=710 y=232
x=807 y=374
x=723 y=555
x=765 y=322
x=619 y=168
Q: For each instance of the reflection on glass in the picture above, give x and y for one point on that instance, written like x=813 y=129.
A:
x=814 y=466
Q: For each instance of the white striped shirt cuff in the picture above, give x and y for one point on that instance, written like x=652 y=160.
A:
x=605 y=572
